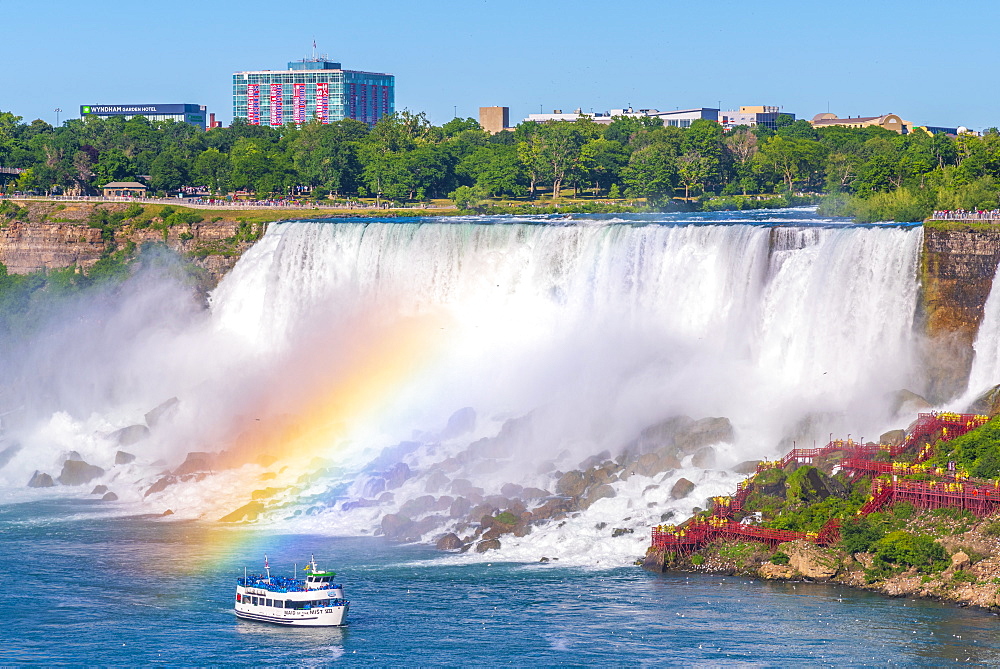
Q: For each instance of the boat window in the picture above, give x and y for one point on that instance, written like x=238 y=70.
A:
x=267 y=602
x=254 y=601
x=279 y=604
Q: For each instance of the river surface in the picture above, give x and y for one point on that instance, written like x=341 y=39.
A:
x=82 y=588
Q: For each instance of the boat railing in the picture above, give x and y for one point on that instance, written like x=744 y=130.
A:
x=281 y=584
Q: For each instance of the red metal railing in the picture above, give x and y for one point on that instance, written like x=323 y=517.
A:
x=929 y=427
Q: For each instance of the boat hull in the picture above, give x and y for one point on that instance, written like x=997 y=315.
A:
x=335 y=616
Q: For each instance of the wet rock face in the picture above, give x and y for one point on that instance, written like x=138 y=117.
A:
x=397 y=475
x=78 y=472
x=246 y=513
x=488 y=545
x=195 y=462
x=123 y=458
x=163 y=412
x=449 y=542
x=681 y=489
x=958 y=268
x=109 y=497
x=41 y=480
x=461 y=422
x=127 y=436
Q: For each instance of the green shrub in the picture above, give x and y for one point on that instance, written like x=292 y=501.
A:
x=780 y=558
x=506 y=518
x=910 y=550
x=859 y=535
x=992 y=528
x=964 y=576
x=697 y=560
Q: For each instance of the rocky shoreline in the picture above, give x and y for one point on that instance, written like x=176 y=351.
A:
x=963 y=582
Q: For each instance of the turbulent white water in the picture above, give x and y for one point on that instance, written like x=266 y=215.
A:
x=597 y=330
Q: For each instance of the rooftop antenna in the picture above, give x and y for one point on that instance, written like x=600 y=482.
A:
x=314 y=48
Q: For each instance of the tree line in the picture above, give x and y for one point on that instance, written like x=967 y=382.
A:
x=870 y=173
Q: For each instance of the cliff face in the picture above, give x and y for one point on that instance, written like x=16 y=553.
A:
x=958 y=264
x=53 y=235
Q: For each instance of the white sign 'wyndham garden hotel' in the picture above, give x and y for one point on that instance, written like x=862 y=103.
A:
x=312 y=88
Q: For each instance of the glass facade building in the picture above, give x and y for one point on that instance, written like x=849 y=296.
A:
x=183 y=113
x=312 y=88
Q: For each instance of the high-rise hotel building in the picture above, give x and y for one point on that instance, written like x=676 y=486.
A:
x=312 y=88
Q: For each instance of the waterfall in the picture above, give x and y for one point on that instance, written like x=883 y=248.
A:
x=618 y=323
x=345 y=348
x=985 y=372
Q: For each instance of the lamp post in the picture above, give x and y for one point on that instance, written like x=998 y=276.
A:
x=57 y=110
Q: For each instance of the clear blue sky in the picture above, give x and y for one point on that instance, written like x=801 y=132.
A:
x=934 y=66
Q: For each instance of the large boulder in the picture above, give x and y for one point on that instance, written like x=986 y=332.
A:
x=488 y=545
x=988 y=403
x=396 y=526
x=41 y=480
x=246 y=513
x=123 y=458
x=164 y=411
x=747 y=467
x=436 y=482
x=397 y=475
x=373 y=487
x=460 y=507
x=571 y=484
x=705 y=432
x=195 y=462
x=417 y=506
x=127 y=436
x=704 y=457
x=681 y=489
x=449 y=542
x=662 y=435
x=909 y=403
x=603 y=491
x=461 y=422
x=892 y=437
x=109 y=497
x=811 y=561
x=160 y=485
x=78 y=472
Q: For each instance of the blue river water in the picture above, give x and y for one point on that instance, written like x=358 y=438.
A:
x=85 y=589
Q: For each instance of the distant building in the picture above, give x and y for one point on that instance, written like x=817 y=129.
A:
x=124 y=189
x=752 y=115
x=887 y=121
x=681 y=118
x=312 y=88
x=184 y=113
x=494 y=119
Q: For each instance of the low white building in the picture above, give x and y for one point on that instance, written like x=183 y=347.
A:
x=681 y=118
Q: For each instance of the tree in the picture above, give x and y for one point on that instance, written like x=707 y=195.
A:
x=602 y=161
x=211 y=168
x=704 y=140
x=693 y=169
x=792 y=158
x=168 y=172
x=468 y=197
x=651 y=173
x=113 y=165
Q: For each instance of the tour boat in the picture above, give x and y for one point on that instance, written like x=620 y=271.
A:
x=312 y=601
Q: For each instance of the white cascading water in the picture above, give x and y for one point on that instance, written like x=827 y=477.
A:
x=597 y=330
x=985 y=371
